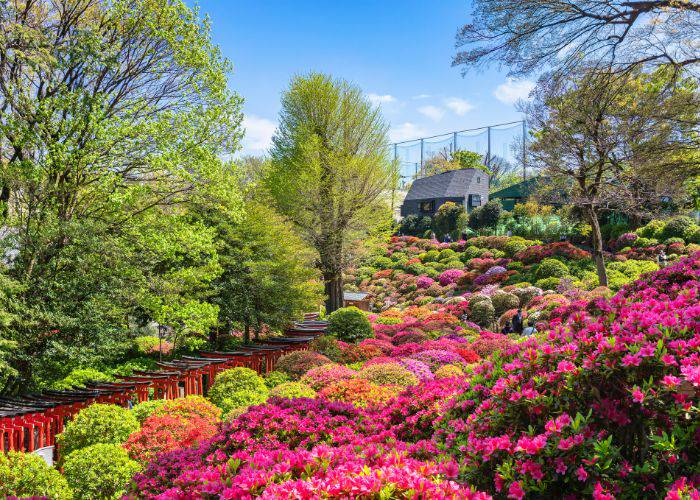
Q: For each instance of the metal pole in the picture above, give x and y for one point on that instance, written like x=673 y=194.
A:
x=421 y=156
x=488 y=147
x=416 y=176
x=525 y=149
x=454 y=142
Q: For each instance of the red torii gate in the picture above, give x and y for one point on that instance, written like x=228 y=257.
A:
x=31 y=422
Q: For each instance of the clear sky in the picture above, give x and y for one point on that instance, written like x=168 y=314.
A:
x=398 y=52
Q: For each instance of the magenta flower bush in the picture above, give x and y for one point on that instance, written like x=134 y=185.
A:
x=601 y=406
x=435 y=358
x=424 y=282
x=450 y=276
x=322 y=376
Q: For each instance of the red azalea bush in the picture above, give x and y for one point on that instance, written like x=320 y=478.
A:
x=163 y=433
x=359 y=392
x=325 y=375
x=537 y=253
x=297 y=363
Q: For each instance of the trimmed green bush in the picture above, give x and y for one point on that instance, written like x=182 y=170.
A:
x=349 y=324
x=275 y=378
x=502 y=302
x=237 y=388
x=482 y=313
x=144 y=410
x=383 y=262
x=388 y=374
x=548 y=283
x=25 y=475
x=473 y=299
x=292 y=390
x=678 y=227
x=551 y=268
x=326 y=345
x=98 y=423
x=99 y=471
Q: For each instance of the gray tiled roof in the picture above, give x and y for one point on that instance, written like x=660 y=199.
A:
x=354 y=295
x=452 y=184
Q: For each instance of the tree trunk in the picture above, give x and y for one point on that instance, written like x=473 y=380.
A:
x=597 y=245
x=246 y=333
x=333 y=283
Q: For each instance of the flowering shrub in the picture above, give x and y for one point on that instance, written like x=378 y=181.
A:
x=190 y=407
x=450 y=276
x=359 y=392
x=25 y=475
x=424 y=282
x=418 y=368
x=602 y=402
x=275 y=378
x=324 y=375
x=448 y=371
x=161 y=433
x=293 y=390
x=145 y=409
x=436 y=358
x=388 y=374
x=98 y=423
x=297 y=363
x=99 y=471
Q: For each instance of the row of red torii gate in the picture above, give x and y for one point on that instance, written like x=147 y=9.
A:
x=31 y=422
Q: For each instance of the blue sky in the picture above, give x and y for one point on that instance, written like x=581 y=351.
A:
x=398 y=52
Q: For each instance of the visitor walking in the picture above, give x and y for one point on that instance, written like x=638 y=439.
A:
x=508 y=328
x=518 y=322
x=662 y=259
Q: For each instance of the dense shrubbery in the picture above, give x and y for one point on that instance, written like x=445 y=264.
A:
x=25 y=475
x=293 y=390
x=296 y=364
x=99 y=471
x=238 y=388
x=78 y=378
x=98 y=423
x=563 y=412
x=349 y=324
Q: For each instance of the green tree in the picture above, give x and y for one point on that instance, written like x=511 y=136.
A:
x=446 y=161
x=331 y=174
x=607 y=141
x=268 y=277
x=113 y=119
x=450 y=219
x=485 y=217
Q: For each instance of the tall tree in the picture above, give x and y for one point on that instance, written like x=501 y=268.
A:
x=615 y=142
x=113 y=117
x=567 y=35
x=330 y=170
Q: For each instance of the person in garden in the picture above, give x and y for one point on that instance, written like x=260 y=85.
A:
x=662 y=259
x=508 y=328
x=518 y=322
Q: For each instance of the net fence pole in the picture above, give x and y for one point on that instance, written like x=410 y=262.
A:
x=524 y=149
x=488 y=147
x=421 y=157
x=454 y=142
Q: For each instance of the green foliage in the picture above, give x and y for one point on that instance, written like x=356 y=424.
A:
x=293 y=390
x=78 y=377
x=237 y=388
x=653 y=229
x=275 y=378
x=145 y=409
x=349 y=324
x=549 y=268
x=326 y=345
x=98 y=215
x=25 y=475
x=415 y=225
x=331 y=171
x=98 y=423
x=388 y=374
x=447 y=220
x=504 y=301
x=101 y=471
x=482 y=312
x=486 y=216
x=550 y=283
x=678 y=227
